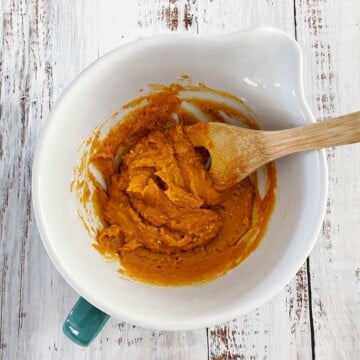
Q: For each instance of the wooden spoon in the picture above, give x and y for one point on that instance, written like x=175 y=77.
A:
x=236 y=152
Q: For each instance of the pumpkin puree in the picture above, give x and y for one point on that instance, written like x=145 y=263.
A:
x=161 y=214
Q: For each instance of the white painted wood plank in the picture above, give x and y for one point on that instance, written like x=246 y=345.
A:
x=329 y=32
x=43 y=47
x=281 y=328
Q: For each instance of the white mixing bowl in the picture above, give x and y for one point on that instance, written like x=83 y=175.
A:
x=262 y=66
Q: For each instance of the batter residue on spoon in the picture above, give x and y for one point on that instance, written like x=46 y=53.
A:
x=160 y=213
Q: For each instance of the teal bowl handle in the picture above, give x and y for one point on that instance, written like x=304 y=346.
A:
x=84 y=322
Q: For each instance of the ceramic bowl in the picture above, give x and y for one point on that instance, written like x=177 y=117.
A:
x=263 y=66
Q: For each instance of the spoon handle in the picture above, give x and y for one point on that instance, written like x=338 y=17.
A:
x=338 y=131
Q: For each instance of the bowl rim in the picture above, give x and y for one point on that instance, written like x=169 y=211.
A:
x=203 y=322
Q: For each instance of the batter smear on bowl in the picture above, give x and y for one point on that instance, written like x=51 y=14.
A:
x=160 y=213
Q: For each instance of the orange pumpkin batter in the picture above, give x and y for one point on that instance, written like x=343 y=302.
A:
x=161 y=214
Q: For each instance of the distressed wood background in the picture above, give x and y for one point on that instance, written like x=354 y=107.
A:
x=44 y=45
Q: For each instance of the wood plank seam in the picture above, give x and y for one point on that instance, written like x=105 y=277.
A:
x=331 y=29
x=311 y=317
x=310 y=310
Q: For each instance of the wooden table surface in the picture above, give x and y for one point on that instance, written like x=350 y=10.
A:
x=44 y=45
